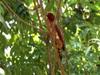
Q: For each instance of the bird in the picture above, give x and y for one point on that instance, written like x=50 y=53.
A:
x=55 y=33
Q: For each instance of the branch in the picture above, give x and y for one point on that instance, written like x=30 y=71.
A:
x=51 y=65
x=42 y=9
x=38 y=15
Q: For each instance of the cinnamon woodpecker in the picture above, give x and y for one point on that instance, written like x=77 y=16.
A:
x=55 y=33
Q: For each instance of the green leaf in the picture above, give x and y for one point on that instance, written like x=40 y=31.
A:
x=28 y=2
x=1 y=10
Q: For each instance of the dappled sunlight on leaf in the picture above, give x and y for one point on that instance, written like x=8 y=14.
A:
x=7 y=36
x=2 y=72
x=7 y=51
x=36 y=38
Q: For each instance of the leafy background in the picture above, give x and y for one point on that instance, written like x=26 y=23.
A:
x=22 y=45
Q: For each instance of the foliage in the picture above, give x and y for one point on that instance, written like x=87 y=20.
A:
x=22 y=44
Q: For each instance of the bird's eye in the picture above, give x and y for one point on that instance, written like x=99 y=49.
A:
x=50 y=16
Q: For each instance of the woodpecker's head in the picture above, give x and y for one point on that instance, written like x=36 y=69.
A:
x=50 y=17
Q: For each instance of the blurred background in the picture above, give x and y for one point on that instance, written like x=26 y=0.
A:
x=23 y=49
